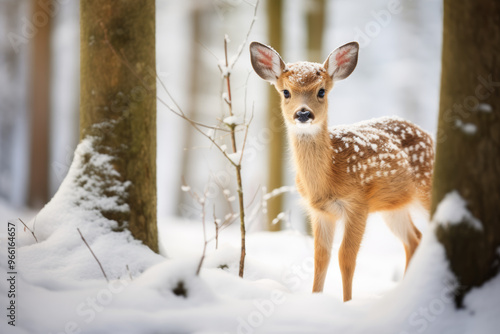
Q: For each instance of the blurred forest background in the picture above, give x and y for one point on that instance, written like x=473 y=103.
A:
x=398 y=73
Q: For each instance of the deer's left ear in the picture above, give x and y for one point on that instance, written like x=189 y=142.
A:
x=266 y=62
x=342 y=61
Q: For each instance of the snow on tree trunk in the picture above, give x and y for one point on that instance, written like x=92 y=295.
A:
x=466 y=193
x=118 y=104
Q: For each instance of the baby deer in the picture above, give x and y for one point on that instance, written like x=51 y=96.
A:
x=347 y=172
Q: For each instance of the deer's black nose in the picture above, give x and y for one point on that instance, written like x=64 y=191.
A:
x=303 y=115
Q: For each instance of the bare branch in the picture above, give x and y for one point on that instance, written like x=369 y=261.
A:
x=129 y=274
x=179 y=113
x=245 y=140
x=95 y=257
x=203 y=202
x=216 y=230
x=242 y=45
x=26 y=227
x=267 y=196
x=245 y=99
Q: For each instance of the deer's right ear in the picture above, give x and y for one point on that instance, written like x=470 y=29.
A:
x=342 y=61
x=266 y=62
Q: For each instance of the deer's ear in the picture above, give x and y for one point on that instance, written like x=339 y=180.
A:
x=342 y=61
x=266 y=62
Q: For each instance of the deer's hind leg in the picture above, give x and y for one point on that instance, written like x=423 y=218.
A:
x=400 y=223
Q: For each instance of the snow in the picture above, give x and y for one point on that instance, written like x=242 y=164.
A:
x=467 y=128
x=273 y=297
x=230 y=120
x=304 y=72
x=485 y=107
x=452 y=210
x=278 y=218
x=235 y=157
x=77 y=204
x=225 y=71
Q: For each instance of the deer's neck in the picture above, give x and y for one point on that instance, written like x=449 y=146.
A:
x=313 y=160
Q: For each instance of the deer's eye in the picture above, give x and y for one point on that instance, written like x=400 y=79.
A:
x=321 y=93
x=286 y=94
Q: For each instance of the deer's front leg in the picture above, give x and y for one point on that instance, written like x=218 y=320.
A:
x=355 y=223
x=323 y=230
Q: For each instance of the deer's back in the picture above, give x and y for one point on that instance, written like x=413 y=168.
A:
x=389 y=157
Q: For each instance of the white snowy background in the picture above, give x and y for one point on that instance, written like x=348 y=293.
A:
x=60 y=286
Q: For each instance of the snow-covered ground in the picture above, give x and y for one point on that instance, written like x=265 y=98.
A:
x=60 y=287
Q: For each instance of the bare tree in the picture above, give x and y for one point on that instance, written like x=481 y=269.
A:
x=467 y=169
x=277 y=145
x=195 y=86
x=315 y=28
x=40 y=105
x=118 y=103
x=13 y=106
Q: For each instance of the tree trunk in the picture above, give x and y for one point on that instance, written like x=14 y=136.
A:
x=195 y=90
x=277 y=145
x=38 y=193
x=14 y=109
x=468 y=141
x=315 y=28
x=118 y=102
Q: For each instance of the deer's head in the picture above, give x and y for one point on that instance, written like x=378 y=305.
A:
x=304 y=86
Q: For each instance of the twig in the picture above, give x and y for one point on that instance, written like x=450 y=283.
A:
x=129 y=274
x=245 y=98
x=125 y=61
x=26 y=227
x=180 y=112
x=226 y=196
x=237 y=165
x=253 y=198
x=245 y=140
x=242 y=45
x=196 y=125
x=34 y=222
x=216 y=231
x=95 y=257
x=238 y=171
x=202 y=202
x=267 y=196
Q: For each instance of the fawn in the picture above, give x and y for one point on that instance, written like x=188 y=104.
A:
x=346 y=172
